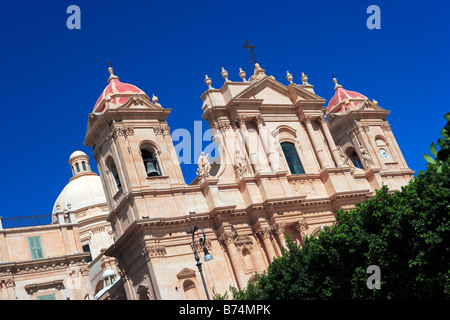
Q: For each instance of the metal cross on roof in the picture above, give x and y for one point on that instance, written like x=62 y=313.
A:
x=250 y=48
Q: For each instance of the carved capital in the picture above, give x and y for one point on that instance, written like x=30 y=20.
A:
x=301 y=225
x=239 y=120
x=306 y=119
x=323 y=119
x=158 y=129
x=258 y=120
x=264 y=233
x=98 y=229
x=121 y=131
x=227 y=237
x=386 y=127
x=222 y=125
x=278 y=228
x=10 y=283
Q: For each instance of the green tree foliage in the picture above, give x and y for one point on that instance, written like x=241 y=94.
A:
x=442 y=157
x=406 y=234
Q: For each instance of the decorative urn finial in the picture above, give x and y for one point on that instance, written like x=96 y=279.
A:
x=289 y=77
x=224 y=74
x=111 y=74
x=208 y=82
x=242 y=74
x=155 y=100
x=304 y=79
x=336 y=84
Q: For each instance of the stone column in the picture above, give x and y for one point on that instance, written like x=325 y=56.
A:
x=264 y=136
x=265 y=235
x=253 y=155
x=301 y=226
x=11 y=288
x=4 y=293
x=278 y=230
x=227 y=238
x=316 y=145
x=334 y=150
x=87 y=284
x=128 y=285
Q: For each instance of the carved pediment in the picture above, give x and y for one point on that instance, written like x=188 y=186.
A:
x=368 y=105
x=186 y=273
x=268 y=89
x=140 y=101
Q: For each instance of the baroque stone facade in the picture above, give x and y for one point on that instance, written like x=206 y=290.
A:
x=286 y=164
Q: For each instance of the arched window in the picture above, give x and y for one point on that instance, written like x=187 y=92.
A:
x=292 y=159
x=109 y=280
x=115 y=175
x=190 y=290
x=384 y=154
x=150 y=162
x=77 y=166
x=353 y=156
x=83 y=164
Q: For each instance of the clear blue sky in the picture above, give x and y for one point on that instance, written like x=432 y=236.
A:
x=51 y=77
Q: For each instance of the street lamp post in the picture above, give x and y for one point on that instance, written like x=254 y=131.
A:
x=206 y=258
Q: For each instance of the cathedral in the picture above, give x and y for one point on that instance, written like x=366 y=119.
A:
x=286 y=163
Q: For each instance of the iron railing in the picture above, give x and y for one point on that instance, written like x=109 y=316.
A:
x=26 y=221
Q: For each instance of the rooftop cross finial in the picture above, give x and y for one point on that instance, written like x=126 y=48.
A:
x=112 y=75
x=250 y=48
x=336 y=85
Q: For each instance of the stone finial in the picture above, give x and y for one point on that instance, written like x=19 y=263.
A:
x=336 y=84
x=111 y=75
x=242 y=75
x=304 y=79
x=224 y=74
x=375 y=101
x=289 y=77
x=155 y=100
x=208 y=82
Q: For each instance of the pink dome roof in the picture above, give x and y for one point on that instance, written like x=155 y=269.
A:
x=116 y=92
x=344 y=99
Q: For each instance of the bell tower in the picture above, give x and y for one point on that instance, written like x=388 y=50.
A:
x=365 y=139
x=133 y=149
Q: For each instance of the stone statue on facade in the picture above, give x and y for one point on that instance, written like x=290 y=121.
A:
x=344 y=159
x=204 y=167
x=240 y=166
x=366 y=157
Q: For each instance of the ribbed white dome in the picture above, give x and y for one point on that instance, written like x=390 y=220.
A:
x=82 y=192
x=77 y=153
x=107 y=273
